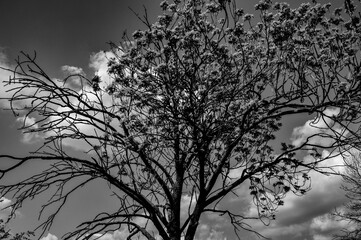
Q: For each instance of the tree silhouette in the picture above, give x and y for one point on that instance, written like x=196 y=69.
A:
x=351 y=212
x=193 y=109
x=6 y=234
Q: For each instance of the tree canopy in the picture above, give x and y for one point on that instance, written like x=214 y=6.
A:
x=7 y=234
x=192 y=108
x=351 y=211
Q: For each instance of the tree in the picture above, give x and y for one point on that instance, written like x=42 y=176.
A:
x=6 y=234
x=351 y=212
x=193 y=109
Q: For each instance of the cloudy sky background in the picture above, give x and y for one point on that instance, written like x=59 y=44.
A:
x=70 y=36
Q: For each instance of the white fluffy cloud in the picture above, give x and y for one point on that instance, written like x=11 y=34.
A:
x=211 y=225
x=208 y=232
x=320 y=130
x=84 y=128
x=123 y=233
x=29 y=137
x=72 y=70
x=187 y=205
x=30 y=122
x=325 y=226
x=4 y=208
x=300 y=217
x=74 y=82
x=50 y=237
x=99 y=63
x=6 y=72
x=117 y=235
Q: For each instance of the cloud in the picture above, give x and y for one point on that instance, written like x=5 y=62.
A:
x=116 y=235
x=321 y=237
x=74 y=82
x=325 y=226
x=213 y=230
x=5 y=210
x=6 y=72
x=300 y=216
x=208 y=232
x=292 y=231
x=72 y=70
x=99 y=63
x=123 y=232
x=212 y=226
x=27 y=137
x=75 y=123
x=320 y=131
x=30 y=124
x=325 y=195
x=187 y=205
x=50 y=237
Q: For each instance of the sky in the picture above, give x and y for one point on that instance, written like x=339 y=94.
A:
x=72 y=36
